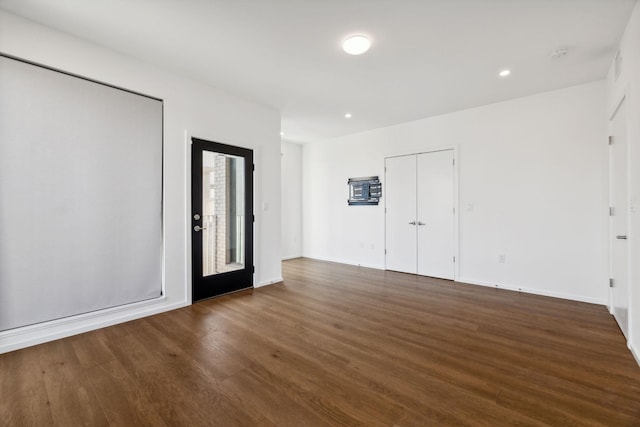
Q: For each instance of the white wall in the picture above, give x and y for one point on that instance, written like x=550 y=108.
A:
x=291 y=178
x=190 y=109
x=628 y=84
x=532 y=186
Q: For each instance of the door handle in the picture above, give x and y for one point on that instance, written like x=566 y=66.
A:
x=412 y=223
x=621 y=237
x=421 y=223
x=198 y=228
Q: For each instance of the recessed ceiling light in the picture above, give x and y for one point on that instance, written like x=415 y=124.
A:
x=356 y=45
x=504 y=73
x=347 y=116
x=281 y=133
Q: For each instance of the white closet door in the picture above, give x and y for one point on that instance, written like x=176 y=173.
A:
x=401 y=214
x=435 y=214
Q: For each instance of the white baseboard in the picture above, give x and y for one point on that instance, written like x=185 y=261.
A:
x=533 y=291
x=27 y=336
x=269 y=282
x=284 y=258
x=471 y=281
x=342 y=261
x=636 y=355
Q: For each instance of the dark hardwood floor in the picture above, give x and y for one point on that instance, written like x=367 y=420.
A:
x=337 y=345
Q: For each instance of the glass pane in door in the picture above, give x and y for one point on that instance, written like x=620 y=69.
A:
x=223 y=195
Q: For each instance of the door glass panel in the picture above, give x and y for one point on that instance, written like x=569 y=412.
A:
x=223 y=189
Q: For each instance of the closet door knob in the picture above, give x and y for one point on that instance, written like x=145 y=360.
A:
x=412 y=223
x=421 y=223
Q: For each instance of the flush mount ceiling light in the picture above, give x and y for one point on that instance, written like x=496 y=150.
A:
x=504 y=73
x=347 y=115
x=356 y=45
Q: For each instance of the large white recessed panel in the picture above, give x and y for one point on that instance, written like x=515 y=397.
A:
x=80 y=195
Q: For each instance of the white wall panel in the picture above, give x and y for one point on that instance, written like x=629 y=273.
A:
x=291 y=179
x=532 y=187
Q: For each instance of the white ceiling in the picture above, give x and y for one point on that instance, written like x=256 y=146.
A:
x=428 y=57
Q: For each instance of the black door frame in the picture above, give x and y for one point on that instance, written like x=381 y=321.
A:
x=221 y=283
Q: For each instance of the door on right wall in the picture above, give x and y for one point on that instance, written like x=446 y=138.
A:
x=420 y=217
x=618 y=193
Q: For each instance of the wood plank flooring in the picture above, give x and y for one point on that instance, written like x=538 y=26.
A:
x=336 y=345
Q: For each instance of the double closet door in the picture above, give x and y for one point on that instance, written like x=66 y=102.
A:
x=420 y=216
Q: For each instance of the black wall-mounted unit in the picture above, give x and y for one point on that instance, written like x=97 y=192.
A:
x=364 y=191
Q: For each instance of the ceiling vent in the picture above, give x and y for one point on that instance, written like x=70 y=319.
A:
x=558 y=53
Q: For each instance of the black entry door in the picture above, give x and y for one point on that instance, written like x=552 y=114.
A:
x=222 y=218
